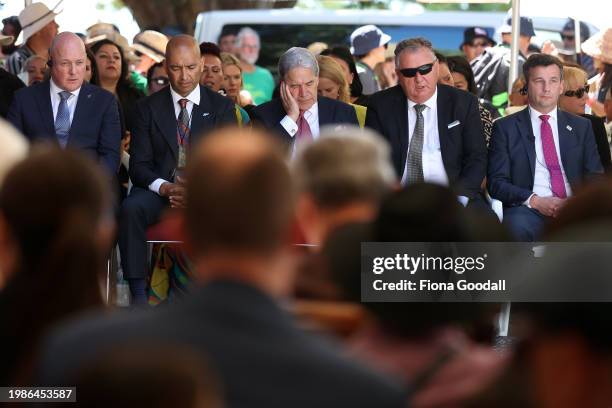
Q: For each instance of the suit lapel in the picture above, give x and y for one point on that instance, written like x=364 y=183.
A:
x=444 y=119
x=565 y=137
x=82 y=112
x=45 y=109
x=527 y=137
x=202 y=117
x=325 y=112
x=165 y=119
x=401 y=123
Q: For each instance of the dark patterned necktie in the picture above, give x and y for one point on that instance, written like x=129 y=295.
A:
x=183 y=133
x=415 y=150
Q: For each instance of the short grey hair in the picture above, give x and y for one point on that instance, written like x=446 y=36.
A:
x=344 y=166
x=246 y=32
x=412 y=45
x=297 y=57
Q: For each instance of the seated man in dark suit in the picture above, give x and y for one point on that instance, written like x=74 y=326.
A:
x=67 y=110
x=237 y=219
x=539 y=155
x=299 y=114
x=434 y=130
x=167 y=123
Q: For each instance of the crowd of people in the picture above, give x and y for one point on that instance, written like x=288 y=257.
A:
x=272 y=186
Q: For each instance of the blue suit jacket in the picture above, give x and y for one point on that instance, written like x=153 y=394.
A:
x=512 y=155
x=331 y=112
x=154 y=148
x=95 y=127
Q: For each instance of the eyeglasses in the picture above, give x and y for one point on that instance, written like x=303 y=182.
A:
x=578 y=93
x=568 y=37
x=423 y=70
x=163 y=81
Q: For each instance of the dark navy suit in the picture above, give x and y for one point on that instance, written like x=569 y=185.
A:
x=95 y=127
x=331 y=112
x=462 y=146
x=511 y=168
x=154 y=154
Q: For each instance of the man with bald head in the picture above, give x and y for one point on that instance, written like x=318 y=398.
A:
x=68 y=111
x=168 y=122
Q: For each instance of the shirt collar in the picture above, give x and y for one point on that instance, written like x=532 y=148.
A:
x=193 y=97
x=56 y=89
x=430 y=103
x=313 y=110
x=536 y=115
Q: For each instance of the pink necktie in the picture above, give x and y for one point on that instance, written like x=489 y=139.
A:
x=303 y=133
x=550 y=157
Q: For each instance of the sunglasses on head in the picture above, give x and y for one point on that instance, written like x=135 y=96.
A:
x=161 y=81
x=578 y=93
x=423 y=70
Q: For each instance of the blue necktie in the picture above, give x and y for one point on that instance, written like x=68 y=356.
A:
x=62 y=120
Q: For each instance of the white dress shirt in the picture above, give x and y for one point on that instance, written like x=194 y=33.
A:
x=71 y=102
x=541 y=179
x=312 y=117
x=192 y=98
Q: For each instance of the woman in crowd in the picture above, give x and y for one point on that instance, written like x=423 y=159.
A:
x=157 y=78
x=53 y=253
x=574 y=99
x=463 y=78
x=343 y=56
x=332 y=84
x=113 y=76
x=232 y=80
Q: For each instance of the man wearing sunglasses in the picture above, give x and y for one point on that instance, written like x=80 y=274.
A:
x=434 y=130
x=539 y=155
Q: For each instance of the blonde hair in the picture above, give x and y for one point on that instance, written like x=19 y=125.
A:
x=573 y=76
x=230 y=59
x=330 y=69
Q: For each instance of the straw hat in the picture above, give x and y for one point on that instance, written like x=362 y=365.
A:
x=600 y=45
x=35 y=17
x=6 y=39
x=100 y=29
x=114 y=37
x=151 y=43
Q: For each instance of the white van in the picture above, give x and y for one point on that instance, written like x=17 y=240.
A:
x=280 y=29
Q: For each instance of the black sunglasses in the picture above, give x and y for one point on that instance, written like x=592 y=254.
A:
x=567 y=37
x=578 y=93
x=423 y=70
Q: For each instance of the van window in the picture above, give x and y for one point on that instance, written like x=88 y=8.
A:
x=277 y=38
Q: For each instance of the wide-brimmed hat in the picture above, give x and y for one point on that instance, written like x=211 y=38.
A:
x=99 y=29
x=6 y=39
x=366 y=38
x=35 y=17
x=151 y=43
x=600 y=45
